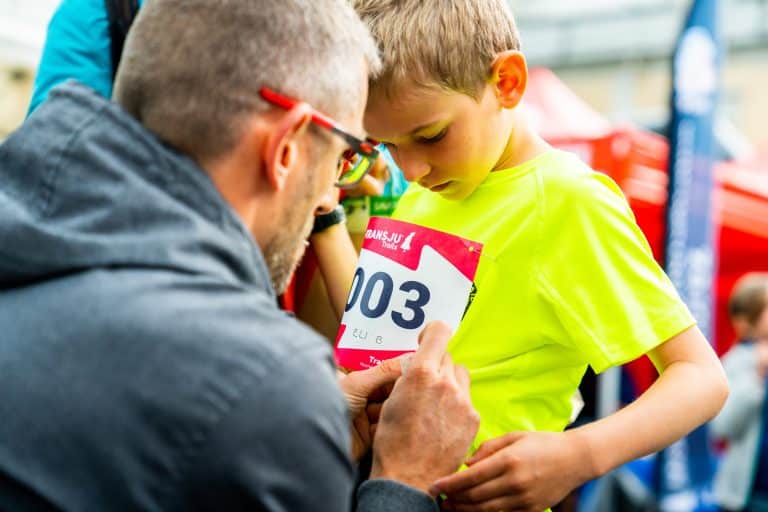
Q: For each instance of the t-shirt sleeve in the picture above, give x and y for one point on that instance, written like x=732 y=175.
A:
x=604 y=294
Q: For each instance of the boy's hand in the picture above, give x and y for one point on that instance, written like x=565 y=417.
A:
x=522 y=471
x=373 y=183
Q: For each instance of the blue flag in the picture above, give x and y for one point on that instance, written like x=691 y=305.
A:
x=686 y=468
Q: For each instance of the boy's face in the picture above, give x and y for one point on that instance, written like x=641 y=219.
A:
x=444 y=140
x=757 y=330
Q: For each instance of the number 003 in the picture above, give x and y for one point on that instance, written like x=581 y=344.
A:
x=374 y=305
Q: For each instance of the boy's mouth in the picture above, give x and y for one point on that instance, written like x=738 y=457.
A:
x=440 y=188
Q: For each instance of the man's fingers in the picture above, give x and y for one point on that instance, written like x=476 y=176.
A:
x=446 y=366
x=358 y=387
x=368 y=380
x=374 y=412
x=405 y=361
x=462 y=377
x=433 y=342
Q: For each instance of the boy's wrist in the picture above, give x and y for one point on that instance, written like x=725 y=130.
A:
x=591 y=465
x=326 y=220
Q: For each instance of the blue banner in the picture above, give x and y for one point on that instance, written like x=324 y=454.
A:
x=686 y=468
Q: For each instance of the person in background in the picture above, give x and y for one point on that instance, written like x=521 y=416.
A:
x=144 y=363
x=741 y=483
x=78 y=45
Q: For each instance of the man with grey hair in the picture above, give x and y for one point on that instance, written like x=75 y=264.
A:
x=144 y=364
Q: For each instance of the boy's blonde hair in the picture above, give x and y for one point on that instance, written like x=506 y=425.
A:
x=451 y=43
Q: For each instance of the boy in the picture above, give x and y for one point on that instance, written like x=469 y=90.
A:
x=568 y=280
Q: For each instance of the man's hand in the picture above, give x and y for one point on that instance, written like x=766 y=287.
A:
x=525 y=471
x=427 y=424
x=358 y=388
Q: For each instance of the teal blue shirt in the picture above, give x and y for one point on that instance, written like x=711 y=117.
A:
x=77 y=46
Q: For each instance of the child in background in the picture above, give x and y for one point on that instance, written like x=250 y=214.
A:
x=567 y=278
x=741 y=483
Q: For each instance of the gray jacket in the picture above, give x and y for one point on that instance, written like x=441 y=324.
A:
x=144 y=364
x=740 y=423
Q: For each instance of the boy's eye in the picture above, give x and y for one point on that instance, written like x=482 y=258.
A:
x=432 y=139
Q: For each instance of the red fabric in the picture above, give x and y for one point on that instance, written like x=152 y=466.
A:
x=303 y=278
x=286 y=300
x=558 y=113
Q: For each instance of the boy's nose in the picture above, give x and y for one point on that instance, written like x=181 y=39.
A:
x=413 y=168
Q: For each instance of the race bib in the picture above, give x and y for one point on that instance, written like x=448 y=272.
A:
x=407 y=276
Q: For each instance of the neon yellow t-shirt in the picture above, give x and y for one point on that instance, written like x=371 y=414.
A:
x=566 y=280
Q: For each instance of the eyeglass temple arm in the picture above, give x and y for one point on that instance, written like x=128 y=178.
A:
x=288 y=103
x=318 y=118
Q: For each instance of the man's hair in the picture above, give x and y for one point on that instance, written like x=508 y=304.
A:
x=451 y=43
x=192 y=69
x=748 y=299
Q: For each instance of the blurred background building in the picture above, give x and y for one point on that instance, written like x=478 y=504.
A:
x=22 y=33
x=615 y=54
x=612 y=53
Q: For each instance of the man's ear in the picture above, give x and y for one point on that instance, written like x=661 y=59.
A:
x=509 y=77
x=281 y=151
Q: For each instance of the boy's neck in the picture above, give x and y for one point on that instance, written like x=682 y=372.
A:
x=523 y=144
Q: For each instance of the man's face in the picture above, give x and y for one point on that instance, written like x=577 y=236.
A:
x=308 y=193
x=446 y=141
x=285 y=249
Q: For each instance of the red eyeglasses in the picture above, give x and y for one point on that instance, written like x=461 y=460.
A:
x=355 y=162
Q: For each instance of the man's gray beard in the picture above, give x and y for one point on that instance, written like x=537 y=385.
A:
x=281 y=265
x=282 y=255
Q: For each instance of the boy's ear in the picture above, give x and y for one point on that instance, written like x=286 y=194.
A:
x=281 y=151
x=509 y=77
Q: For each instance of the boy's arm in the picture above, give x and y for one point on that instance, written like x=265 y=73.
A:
x=336 y=260
x=337 y=253
x=534 y=470
x=690 y=390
